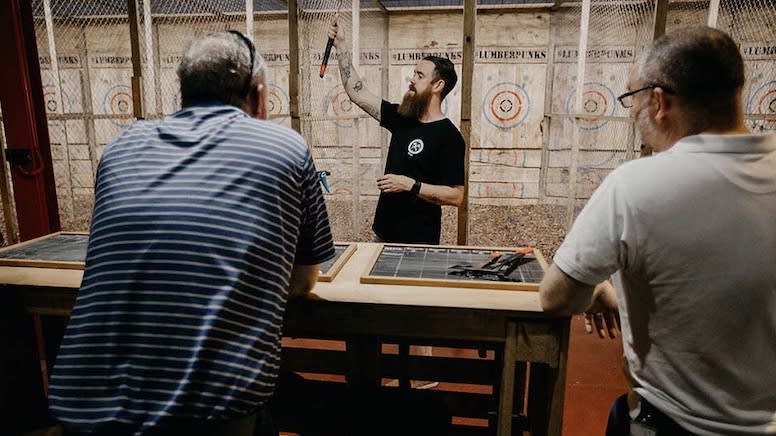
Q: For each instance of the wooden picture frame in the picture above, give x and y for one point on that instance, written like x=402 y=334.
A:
x=367 y=278
x=40 y=263
x=339 y=263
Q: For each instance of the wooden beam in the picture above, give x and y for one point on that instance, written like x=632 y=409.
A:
x=557 y=4
x=24 y=122
x=151 y=62
x=584 y=25
x=381 y=6
x=293 y=73
x=713 y=13
x=661 y=14
x=137 y=64
x=467 y=73
x=5 y=194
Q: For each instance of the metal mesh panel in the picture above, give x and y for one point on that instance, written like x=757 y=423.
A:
x=87 y=86
x=345 y=140
x=752 y=24
x=86 y=67
x=590 y=139
x=685 y=13
x=531 y=142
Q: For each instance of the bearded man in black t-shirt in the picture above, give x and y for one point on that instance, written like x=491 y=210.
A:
x=425 y=165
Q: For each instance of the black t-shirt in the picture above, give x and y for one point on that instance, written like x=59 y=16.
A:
x=431 y=153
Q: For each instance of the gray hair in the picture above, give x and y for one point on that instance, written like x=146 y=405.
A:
x=215 y=68
x=701 y=65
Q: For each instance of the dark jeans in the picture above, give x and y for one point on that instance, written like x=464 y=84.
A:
x=620 y=420
x=257 y=424
x=313 y=408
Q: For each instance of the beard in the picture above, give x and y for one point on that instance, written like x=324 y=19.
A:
x=414 y=104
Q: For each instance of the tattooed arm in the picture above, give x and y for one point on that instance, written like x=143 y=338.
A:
x=351 y=81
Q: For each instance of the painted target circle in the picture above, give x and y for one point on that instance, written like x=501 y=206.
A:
x=277 y=103
x=763 y=102
x=338 y=107
x=598 y=101
x=506 y=105
x=52 y=102
x=118 y=101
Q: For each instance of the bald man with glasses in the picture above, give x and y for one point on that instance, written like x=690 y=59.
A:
x=689 y=236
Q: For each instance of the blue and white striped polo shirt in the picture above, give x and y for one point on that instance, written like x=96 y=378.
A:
x=198 y=220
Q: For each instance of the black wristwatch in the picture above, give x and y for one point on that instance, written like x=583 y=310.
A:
x=415 y=188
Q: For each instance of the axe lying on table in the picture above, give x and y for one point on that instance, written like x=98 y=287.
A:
x=498 y=268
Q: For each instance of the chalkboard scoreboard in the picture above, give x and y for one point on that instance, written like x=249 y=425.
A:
x=454 y=267
x=64 y=250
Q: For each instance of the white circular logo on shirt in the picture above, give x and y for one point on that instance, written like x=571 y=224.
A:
x=415 y=147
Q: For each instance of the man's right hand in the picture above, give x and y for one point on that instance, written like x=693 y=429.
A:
x=334 y=33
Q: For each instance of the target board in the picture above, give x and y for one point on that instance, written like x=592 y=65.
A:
x=598 y=101
x=51 y=100
x=118 y=101
x=506 y=105
x=433 y=266
x=762 y=101
x=277 y=104
x=336 y=105
x=331 y=267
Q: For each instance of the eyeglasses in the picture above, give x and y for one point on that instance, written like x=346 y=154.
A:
x=626 y=100
x=251 y=52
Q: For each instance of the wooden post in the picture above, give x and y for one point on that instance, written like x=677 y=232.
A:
x=713 y=13
x=25 y=126
x=150 y=59
x=356 y=147
x=578 y=108
x=86 y=98
x=293 y=73
x=52 y=49
x=137 y=64
x=467 y=73
x=385 y=136
x=249 y=20
x=5 y=194
x=547 y=120
x=661 y=14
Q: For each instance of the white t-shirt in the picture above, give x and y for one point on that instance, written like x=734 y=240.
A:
x=691 y=233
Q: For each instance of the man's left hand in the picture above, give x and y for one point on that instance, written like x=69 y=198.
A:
x=602 y=313
x=394 y=183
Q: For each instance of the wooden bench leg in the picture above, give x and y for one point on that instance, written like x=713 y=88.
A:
x=404 y=364
x=507 y=389
x=40 y=343
x=364 y=361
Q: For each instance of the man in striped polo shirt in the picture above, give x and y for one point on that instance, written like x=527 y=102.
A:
x=204 y=224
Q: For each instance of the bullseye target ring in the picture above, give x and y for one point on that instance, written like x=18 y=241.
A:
x=118 y=101
x=597 y=101
x=506 y=105
x=337 y=106
x=763 y=102
x=277 y=103
x=52 y=102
